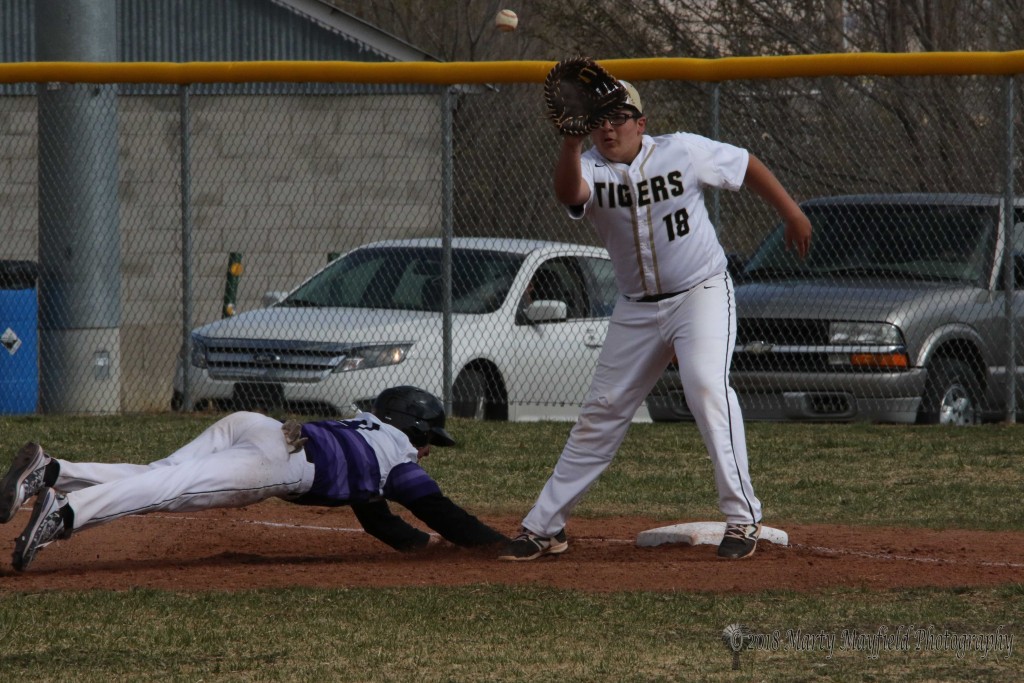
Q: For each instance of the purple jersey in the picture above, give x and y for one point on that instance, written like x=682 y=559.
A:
x=360 y=459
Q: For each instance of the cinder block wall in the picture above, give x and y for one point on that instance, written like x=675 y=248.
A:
x=283 y=180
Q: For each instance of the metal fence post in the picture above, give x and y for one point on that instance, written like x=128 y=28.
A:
x=447 y=229
x=80 y=310
x=716 y=207
x=186 y=244
x=1008 y=260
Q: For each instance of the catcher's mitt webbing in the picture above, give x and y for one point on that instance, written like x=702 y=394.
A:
x=580 y=94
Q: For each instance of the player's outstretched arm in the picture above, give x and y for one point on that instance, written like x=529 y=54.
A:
x=764 y=183
x=456 y=525
x=378 y=521
x=570 y=188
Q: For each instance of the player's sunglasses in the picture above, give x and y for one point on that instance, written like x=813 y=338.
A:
x=619 y=118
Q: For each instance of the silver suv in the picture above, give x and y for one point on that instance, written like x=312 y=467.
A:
x=898 y=314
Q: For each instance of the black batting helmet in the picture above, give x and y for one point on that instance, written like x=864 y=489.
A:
x=417 y=413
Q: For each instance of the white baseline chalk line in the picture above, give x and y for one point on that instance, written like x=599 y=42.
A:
x=270 y=524
x=308 y=527
x=815 y=548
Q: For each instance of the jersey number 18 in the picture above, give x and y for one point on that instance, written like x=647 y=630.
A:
x=677 y=224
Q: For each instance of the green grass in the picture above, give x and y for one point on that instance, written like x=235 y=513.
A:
x=807 y=474
x=883 y=475
x=492 y=633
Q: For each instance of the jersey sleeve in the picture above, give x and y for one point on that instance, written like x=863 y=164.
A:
x=718 y=164
x=408 y=482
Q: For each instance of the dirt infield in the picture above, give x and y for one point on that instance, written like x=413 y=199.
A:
x=274 y=544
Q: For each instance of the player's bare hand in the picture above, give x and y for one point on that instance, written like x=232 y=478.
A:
x=798 y=234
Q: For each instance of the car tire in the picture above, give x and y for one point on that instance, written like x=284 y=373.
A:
x=474 y=396
x=660 y=409
x=951 y=395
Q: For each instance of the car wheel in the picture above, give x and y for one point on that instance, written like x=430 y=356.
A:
x=951 y=394
x=474 y=397
x=660 y=409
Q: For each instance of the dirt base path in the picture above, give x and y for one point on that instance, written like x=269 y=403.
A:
x=274 y=544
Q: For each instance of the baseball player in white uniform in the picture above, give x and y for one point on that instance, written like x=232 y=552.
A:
x=645 y=197
x=245 y=458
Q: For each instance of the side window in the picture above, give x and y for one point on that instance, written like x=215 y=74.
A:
x=419 y=287
x=1017 y=243
x=604 y=292
x=560 y=279
x=1018 y=231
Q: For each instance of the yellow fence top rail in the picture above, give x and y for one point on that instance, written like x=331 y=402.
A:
x=449 y=73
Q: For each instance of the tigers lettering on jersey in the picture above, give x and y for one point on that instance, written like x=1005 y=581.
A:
x=655 y=203
x=651 y=190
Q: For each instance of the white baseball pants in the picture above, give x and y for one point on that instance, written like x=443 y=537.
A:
x=699 y=327
x=239 y=460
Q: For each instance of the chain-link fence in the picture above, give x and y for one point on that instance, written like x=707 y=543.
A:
x=135 y=220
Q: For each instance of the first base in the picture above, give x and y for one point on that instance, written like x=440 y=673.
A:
x=701 y=533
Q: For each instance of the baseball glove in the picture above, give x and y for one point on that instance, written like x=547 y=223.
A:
x=579 y=94
x=293 y=436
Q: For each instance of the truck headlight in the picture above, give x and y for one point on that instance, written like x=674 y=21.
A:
x=870 y=346
x=364 y=357
x=858 y=334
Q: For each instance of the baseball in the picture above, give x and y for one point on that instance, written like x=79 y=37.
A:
x=506 y=20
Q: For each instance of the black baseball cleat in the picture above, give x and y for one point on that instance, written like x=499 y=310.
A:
x=739 y=541
x=529 y=546
x=23 y=480
x=46 y=525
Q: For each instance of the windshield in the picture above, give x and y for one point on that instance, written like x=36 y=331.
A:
x=409 y=278
x=921 y=242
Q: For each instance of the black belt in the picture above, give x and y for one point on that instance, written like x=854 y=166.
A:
x=654 y=298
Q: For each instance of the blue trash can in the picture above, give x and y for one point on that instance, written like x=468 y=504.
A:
x=19 y=337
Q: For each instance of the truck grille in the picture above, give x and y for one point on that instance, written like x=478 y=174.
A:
x=782 y=331
x=781 y=362
x=794 y=346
